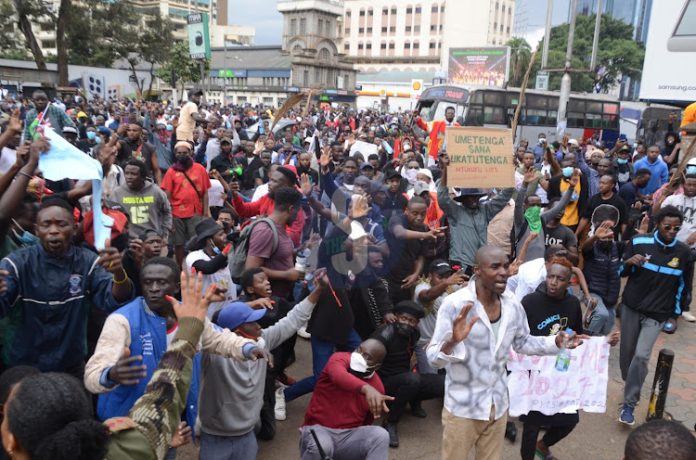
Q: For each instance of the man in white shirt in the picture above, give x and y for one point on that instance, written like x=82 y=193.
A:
x=188 y=116
x=476 y=327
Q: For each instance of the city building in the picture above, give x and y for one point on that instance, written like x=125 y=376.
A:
x=397 y=35
x=308 y=59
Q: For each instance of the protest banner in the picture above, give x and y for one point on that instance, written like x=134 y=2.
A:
x=480 y=157
x=366 y=148
x=535 y=384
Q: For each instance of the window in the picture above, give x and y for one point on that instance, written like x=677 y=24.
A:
x=384 y=30
x=393 y=11
x=293 y=27
x=392 y=29
x=433 y=27
x=440 y=27
x=324 y=55
x=368 y=46
x=391 y=45
x=434 y=9
x=320 y=27
x=346 y=47
x=494 y=115
x=415 y=45
x=442 y=9
x=407 y=45
x=416 y=29
x=361 y=30
x=268 y=100
x=303 y=26
x=385 y=11
x=360 y=46
x=409 y=10
x=305 y=77
x=432 y=45
x=370 y=12
x=317 y=75
x=348 y=13
x=369 y=30
x=383 y=46
x=418 y=10
x=362 y=12
x=48 y=44
x=408 y=29
x=347 y=31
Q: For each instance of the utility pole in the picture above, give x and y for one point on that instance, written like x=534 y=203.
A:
x=565 y=80
x=595 y=40
x=547 y=34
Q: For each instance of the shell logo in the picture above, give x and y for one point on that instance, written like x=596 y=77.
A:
x=416 y=85
x=383 y=92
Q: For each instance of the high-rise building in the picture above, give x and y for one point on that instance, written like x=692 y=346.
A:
x=383 y=35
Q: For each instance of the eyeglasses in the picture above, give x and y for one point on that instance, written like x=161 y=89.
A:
x=669 y=228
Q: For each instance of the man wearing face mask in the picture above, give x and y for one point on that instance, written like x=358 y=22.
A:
x=186 y=184
x=347 y=398
x=539 y=148
x=559 y=184
x=406 y=386
x=208 y=255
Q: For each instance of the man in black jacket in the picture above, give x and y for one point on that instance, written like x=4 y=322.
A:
x=399 y=380
x=655 y=267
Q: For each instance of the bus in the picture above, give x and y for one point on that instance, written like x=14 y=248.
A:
x=589 y=115
x=649 y=122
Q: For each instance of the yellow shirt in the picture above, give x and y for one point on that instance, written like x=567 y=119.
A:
x=571 y=216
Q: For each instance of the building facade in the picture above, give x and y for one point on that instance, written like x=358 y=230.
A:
x=388 y=35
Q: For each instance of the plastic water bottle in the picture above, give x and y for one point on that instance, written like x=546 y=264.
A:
x=301 y=261
x=563 y=358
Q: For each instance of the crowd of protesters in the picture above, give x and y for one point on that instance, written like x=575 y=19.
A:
x=238 y=229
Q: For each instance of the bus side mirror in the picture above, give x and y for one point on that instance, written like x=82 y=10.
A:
x=460 y=120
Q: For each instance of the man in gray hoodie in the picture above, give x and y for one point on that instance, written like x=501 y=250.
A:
x=231 y=394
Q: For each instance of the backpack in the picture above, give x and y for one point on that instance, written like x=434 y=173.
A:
x=237 y=258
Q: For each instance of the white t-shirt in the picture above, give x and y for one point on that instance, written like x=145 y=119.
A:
x=260 y=192
x=221 y=277
x=184 y=130
x=216 y=194
x=530 y=275
x=688 y=207
x=426 y=326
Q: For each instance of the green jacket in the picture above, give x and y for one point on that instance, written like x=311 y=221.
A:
x=145 y=435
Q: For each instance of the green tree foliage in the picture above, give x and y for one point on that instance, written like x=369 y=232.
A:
x=180 y=65
x=618 y=53
x=520 y=55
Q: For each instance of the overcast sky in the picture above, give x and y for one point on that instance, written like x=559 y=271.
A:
x=261 y=14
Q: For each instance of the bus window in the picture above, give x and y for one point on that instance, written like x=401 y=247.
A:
x=439 y=112
x=494 y=115
x=494 y=98
x=610 y=121
x=425 y=108
x=552 y=117
x=476 y=97
x=576 y=105
x=537 y=102
x=611 y=108
x=576 y=120
x=536 y=117
x=594 y=107
x=474 y=116
x=593 y=120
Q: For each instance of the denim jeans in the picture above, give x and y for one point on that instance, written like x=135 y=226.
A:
x=321 y=352
x=602 y=318
x=242 y=447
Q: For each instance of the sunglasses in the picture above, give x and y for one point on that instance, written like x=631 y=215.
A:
x=669 y=228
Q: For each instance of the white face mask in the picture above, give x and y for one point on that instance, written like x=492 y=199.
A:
x=410 y=174
x=358 y=364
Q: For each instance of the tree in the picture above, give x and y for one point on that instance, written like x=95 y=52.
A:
x=180 y=66
x=618 y=56
x=520 y=54
x=26 y=11
x=147 y=43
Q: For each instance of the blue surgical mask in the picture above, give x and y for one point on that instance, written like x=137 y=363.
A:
x=622 y=161
x=568 y=171
x=97 y=140
x=170 y=127
x=25 y=238
x=691 y=169
x=91 y=135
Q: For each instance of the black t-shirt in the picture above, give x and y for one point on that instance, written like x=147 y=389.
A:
x=559 y=236
x=403 y=253
x=614 y=201
x=130 y=149
x=399 y=350
x=629 y=193
x=394 y=204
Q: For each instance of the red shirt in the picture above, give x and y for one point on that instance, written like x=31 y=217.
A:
x=186 y=202
x=264 y=207
x=337 y=401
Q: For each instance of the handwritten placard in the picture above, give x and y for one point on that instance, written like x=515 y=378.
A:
x=480 y=157
x=535 y=384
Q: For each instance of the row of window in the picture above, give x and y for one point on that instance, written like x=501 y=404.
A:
x=392 y=29
x=323 y=27
x=409 y=10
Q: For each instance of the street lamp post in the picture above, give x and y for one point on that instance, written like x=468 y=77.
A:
x=565 y=80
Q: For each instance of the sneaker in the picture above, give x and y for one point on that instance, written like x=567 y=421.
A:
x=280 y=413
x=302 y=332
x=393 y=435
x=689 y=317
x=670 y=326
x=626 y=417
x=510 y=431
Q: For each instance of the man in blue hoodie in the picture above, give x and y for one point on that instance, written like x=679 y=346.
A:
x=659 y=171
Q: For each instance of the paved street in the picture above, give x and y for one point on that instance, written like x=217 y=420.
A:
x=597 y=437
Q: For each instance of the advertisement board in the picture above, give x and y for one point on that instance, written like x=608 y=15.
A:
x=478 y=66
x=669 y=69
x=480 y=157
x=198 y=36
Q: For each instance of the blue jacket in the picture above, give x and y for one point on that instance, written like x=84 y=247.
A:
x=47 y=301
x=149 y=339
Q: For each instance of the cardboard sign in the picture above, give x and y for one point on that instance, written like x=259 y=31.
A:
x=535 y=384
x=480 y=157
